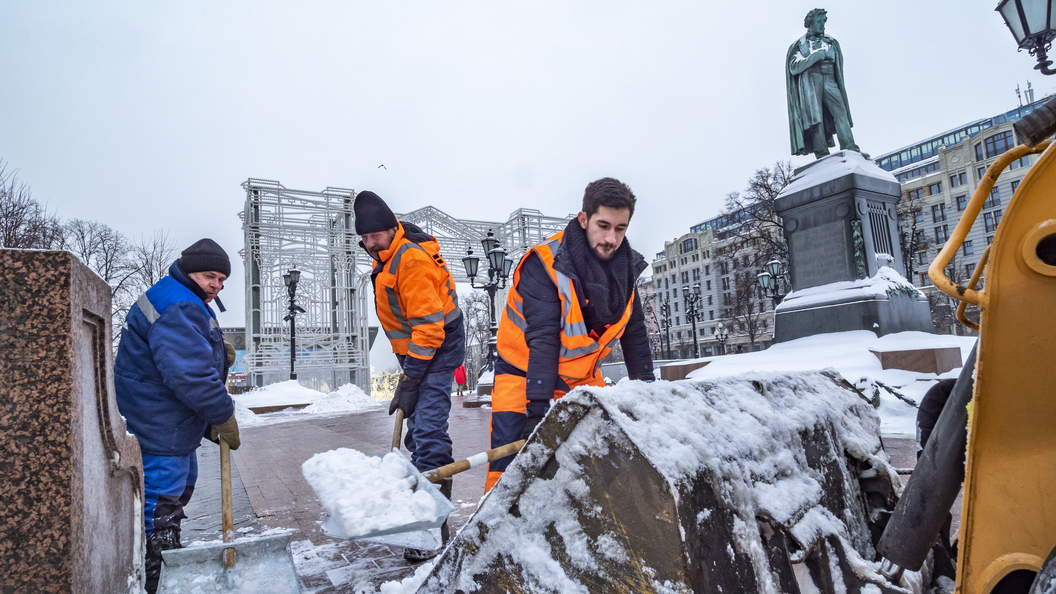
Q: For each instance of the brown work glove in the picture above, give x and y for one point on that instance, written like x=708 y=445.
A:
x=230 y=353
x=229 y=430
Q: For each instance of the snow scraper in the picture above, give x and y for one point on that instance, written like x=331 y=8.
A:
x=250 y=565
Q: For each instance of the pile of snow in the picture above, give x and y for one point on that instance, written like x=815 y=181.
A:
x=850 y=354
x=364 y=494
x=349 y=398
x=743 y=433
x=833 y=167
x=885 y=282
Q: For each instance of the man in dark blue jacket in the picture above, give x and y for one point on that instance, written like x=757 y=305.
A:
x=169 y=377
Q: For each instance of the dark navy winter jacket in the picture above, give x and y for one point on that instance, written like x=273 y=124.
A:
x=171 y=367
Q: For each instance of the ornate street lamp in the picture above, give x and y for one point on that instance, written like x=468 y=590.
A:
x=665 y=313
x=498 y=272
x=771 y=278
x=692 y=300
x=722 y=336
x=291 y=279
x=1033 y=24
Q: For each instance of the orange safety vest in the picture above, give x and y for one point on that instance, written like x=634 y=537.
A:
x=414 y=296
x=580 y=355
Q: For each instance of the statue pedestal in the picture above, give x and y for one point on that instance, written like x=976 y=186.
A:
x=71 y=477
x=844 y=256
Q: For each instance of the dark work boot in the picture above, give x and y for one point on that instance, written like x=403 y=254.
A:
x=161 y=540
x=419 y=555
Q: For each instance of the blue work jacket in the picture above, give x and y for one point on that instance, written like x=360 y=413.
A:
x=171 y=367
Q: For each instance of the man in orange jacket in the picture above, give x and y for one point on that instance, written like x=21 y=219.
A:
x=418 y=309
x=571 y=299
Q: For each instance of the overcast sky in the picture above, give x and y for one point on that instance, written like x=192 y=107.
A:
x=148 y=115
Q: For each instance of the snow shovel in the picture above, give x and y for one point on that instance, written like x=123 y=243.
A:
x=252 y=565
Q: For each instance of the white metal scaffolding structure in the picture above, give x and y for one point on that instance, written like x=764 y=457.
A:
x=314 y=233
x=524 y=228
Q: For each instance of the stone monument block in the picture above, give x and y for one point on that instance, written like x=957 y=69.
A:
x=71 y=477
x=933 y=360
x=842 y=229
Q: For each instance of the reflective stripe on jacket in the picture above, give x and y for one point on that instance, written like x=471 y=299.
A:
x=415 y=297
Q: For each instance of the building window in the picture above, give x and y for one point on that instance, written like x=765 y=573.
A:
x=1015 y=185
x=968 y=248
x=918 y=216
x=981 y=172
x=942 y=233
x=919 y=236
x=676 y=306
x=707 y=270
x=969 y=268
x=938 y=212
x=707 y=285
x=979 y=152
x=958 y=180
x=994 y=199
x=989 y=239
x=934 y=189
x=924 y=280
x=998 y=143
x=709 y=300
x=922 y=257
x=916 y=194
x=726 y=283
x=674 y=279
x=988 y=222
x=685 y=277
x=677 y=323
x=711 y=314
x=726 y=299
x=1021 y=162
x=696 y=274
x=961 y=201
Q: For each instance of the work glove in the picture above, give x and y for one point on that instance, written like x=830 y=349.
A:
x=535 y=410
x=230 y=353
x=229 y=430
x=406 y=396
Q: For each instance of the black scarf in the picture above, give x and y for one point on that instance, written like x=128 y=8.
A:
x=604 y=285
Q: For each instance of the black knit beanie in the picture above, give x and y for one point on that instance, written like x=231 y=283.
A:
x=204 y=255
x=372 y=214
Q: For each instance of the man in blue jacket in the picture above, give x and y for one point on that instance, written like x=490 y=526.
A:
x=169 y=377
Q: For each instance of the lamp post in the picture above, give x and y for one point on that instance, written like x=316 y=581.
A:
x=291 y=279
x=692 y=300
x=498 y=272
x=1033 y=24
x=665 y=312
x=771 y=278
x=722 y=336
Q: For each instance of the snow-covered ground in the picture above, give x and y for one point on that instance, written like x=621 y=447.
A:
x=849 y=353
x=346 y=399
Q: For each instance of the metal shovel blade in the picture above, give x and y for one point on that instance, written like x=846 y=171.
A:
x=443 y=509
x=262 y=566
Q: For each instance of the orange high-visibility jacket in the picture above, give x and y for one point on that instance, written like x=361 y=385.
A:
x=414 y=295
x=579 y=357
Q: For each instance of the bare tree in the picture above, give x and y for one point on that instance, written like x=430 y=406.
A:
x=24 y=223
x=151 y=256
x=104 y=250
x=753 y=216
x=911 y=238
x=747 y=304
x=475 y=307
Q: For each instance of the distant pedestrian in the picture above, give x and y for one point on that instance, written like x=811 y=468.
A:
x=460 y=378
x=169 y=377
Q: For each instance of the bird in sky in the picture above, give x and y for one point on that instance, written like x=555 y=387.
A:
x=382 y=166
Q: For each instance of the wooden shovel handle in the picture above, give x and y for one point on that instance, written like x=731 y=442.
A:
x=227 y=511
x=397 y=431
x=437 y=474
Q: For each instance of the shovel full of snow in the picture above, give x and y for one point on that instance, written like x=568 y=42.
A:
x=385 y=498
x=257 y=565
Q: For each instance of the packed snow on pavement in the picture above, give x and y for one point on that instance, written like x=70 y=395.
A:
x=850 y=354
x=349 y=398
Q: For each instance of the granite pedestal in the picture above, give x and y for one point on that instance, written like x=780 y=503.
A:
x=841 y=227
x=71 y=478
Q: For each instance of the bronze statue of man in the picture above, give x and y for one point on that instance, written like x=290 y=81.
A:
x=817 y=97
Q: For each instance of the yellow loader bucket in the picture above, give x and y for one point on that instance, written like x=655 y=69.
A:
x=1008 y=522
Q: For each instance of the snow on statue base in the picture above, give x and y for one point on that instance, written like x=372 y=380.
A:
x=755 y=483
